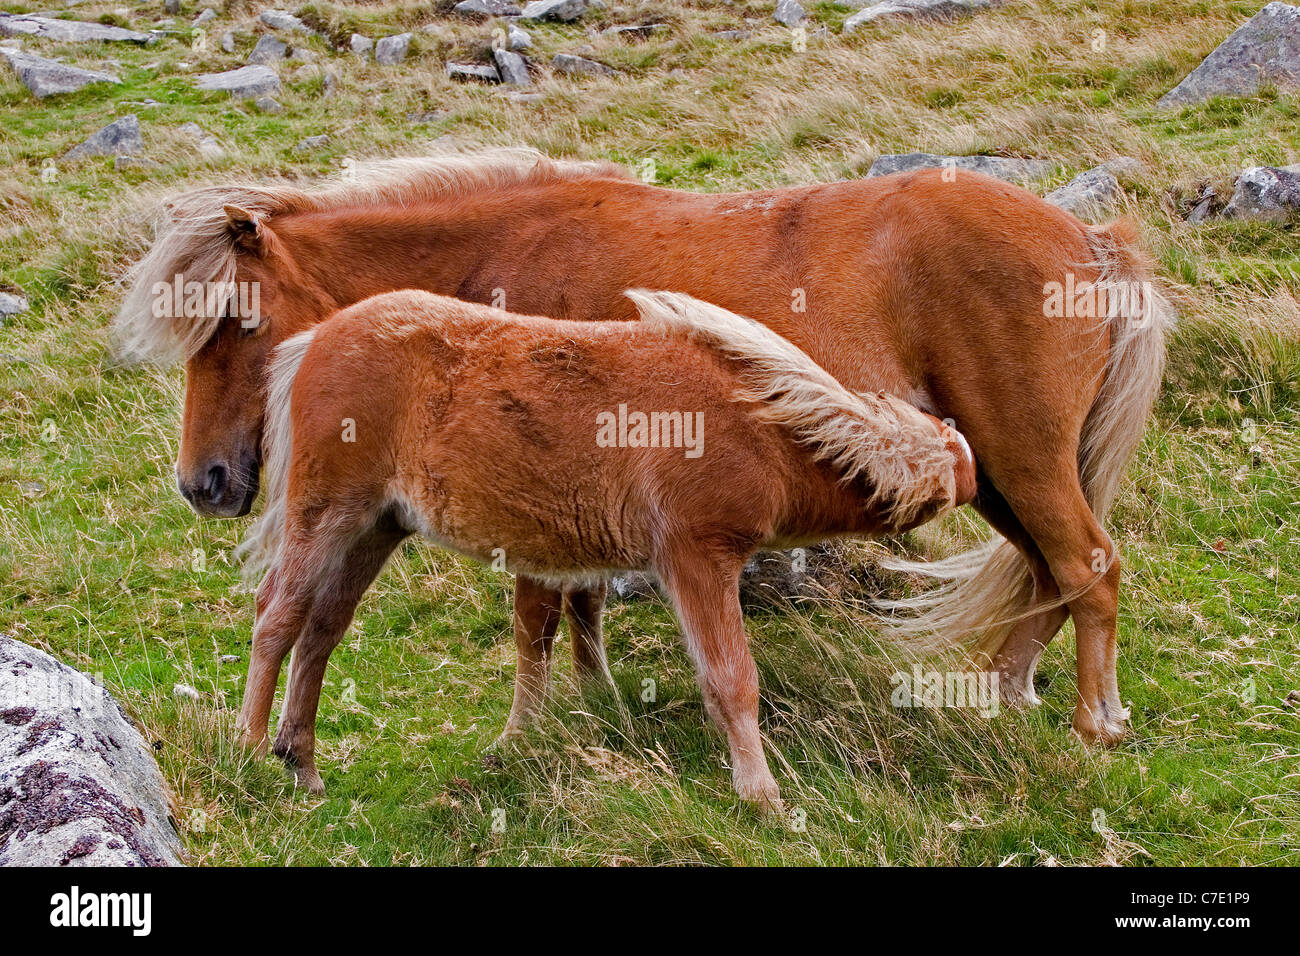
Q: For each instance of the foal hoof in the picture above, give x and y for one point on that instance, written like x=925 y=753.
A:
x=305 y=774
x=1101 y=726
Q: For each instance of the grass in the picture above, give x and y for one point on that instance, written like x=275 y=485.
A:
x=105 y=566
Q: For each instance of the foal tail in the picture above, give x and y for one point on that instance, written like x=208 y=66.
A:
x=260 y=548
x=985 y=592
x=894 y=445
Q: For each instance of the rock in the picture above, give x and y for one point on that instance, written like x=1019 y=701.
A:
x=67 y=31
x=1264 y=48
x=11 y=303
x=565 y=10
x=361 y=46
x=269 y=105
x=303 y=55
x=392 y=50
x=635 y=31
x=473 y=71
x=269 y=49
x=1011 y=170
x=280 y=20
x=511 y=67
x=1124 y=167
x=916 y=9
x=228 y=41
x=243 y=83
x=207 y=16
x=311 y=144
x=119 y=138
x=78 y=784
x=1090 y=195
x=48 y=77
x=572 y=65
x=487 y=8
x=789 y=13
x=517 y=38
x=1204 y=205
x=208 y=145
x=1267 y=193
x=171 y=6
x=330 y=83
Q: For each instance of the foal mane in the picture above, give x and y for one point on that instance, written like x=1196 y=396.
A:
x=879 y=437
x=193 y=238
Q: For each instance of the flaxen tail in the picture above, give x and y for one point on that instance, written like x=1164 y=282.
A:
x=986 y=591
x=880 y=437
x=261 y=546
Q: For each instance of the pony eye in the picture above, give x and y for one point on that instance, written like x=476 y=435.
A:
x=248 y=329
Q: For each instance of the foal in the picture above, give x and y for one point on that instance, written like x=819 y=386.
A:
x=415 y=413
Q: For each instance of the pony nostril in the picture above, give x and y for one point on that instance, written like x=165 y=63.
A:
x=217 y=480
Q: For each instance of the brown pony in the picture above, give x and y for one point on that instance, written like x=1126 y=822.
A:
x=415 y=413
x=965 y=296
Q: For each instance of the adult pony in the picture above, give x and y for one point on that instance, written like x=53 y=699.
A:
x=447 y=449
x=940 y=287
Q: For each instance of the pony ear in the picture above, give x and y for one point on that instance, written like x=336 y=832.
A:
x=246 y=229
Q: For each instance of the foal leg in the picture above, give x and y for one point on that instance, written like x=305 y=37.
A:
x=537 y=616
x=582 y=611
x=706 y=593
x=279 y=619
x=340 y=580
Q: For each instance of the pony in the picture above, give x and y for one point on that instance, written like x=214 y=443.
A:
x=944 y=288
x=412 y=413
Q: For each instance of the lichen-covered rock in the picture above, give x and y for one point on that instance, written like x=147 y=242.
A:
x=67 y=31
x=916 y=10
x=269 y=49
x=1089 y=196
x=1011 y=170
x=1267 y=193
x=487 y=8
x=244 y=83
x=1266 y=48
x=789 y=13
x=563 y=10
x=392 y=50
x=481 y=72
x=119 y=138
x=49 y=77
x=78 y=784
x=511 y=67
x=572 y=65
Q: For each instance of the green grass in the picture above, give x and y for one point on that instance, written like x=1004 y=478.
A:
x=106 y=567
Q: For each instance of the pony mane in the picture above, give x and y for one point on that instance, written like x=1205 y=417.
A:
x=879 y=437
x=192 y=238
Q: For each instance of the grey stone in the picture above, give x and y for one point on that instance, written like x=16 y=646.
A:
x=49 y=77
x=487 y=8
x=473 y=71
x=1011 y=170
x=11 y=303
x=208 y=145
x=1205 y=204
x=789 y=13
x=1089 y=195
x=280 y=20
x=392 y=50
x=269 y=105
x=330 y=83
x=207 y=16
x=311 y=144
x=1124 y=167
x=67 y=31
x=511 y=67
x=916 y=9
x=119 y=138
x=517 y=38
x=1267 y=193
x=572 y=65
x=78 y=784
x=635 y=31
x=303 y=55
x=1264 y=48
x=244 y=83
x=565 y=10
x=269 y=49
x=228 y=41
x=171 y=6
x=361 y=45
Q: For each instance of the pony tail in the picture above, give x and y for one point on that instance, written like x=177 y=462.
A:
x=260 y=549
x=879 y=437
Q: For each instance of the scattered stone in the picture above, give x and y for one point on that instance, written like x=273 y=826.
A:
x=1267 y=193
x=280 y=20
x=487 y=8
x=67 y=31
x=565 y=10
x=243 y=83
x=917 y=9
x=572 y=65
x=119 y=138
x=11 y=303
x=330 y=84
x=473 y=71
x=269 y=105
x=49 y=77
x=78 y=784
x=1266 y=48
x=311 y=144
x=789 y=13
x=228 y=41
x=1089 y=196
x=303 y=55
x=361 y=46
x=392 y=50
x=1011 y=170
x=269 y=49
x=635 y=31
x=207 y=16
x=511 y=67
x=517 y=38
x=208 y=145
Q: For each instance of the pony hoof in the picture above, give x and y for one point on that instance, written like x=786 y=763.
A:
x=253 y=743
x=1016 y=692
x=763 y=795
x=1100 y=729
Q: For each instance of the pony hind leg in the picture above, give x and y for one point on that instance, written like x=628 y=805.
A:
x=583 y=608
x=536 y=619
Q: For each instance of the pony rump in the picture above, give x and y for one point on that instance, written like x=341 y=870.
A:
x=877 y=437
x=260 y=549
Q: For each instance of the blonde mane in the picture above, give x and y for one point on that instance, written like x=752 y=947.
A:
x=193 y=238
x=889 y=441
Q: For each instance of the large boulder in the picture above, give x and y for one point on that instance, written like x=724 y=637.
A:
x=487 y=8
x=916 y=9
x=50 y=77
x=1266 y=48
x=1089 y=196
x=788 y=13
x=1265 y=192
x=1012 y=170
x=244 y=83
x=67 y=31
x=119 y=138
x=78 y=784
x=564 y=10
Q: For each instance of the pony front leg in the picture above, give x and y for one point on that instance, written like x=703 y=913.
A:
x=537 y=616
x=583 y=608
